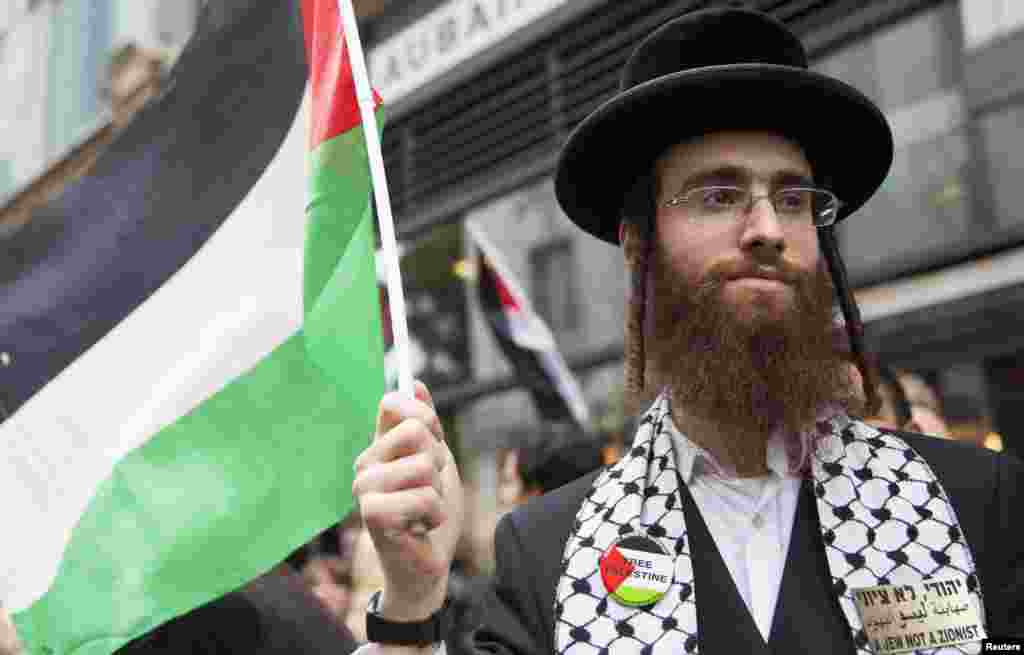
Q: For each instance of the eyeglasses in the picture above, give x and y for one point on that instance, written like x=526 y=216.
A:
x=792 y=204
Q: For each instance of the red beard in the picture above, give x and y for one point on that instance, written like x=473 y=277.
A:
x=749 y=369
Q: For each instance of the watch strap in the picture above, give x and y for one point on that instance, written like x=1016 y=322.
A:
x=404 y=633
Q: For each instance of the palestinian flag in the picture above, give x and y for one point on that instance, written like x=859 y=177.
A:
x=193 y=367
x=525 y=338
x=636 y=572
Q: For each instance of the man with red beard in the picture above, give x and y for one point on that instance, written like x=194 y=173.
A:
x=754 y=513
x=740 y=288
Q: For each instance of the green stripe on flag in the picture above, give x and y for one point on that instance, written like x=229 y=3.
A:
x=226 y=492
x=338 y=197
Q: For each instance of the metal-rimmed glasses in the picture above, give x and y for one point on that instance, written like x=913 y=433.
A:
x=791 y=204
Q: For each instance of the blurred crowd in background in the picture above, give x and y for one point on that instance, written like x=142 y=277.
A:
x=340 y=564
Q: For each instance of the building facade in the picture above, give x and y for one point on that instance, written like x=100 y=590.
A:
x=55 y=67
x=483 y=92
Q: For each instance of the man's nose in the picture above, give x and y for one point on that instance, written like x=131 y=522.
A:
x=762 y=235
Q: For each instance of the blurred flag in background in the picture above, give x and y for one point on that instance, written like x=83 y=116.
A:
x=525 y=338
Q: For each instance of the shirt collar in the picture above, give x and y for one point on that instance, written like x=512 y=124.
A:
x=693 y=460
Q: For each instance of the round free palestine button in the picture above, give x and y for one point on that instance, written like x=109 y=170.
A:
x=637 y=571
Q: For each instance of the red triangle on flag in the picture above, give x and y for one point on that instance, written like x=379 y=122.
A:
x=335 y=109
x=509 y=302
x=615 y=569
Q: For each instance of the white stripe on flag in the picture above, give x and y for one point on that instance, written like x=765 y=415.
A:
x=214 y=319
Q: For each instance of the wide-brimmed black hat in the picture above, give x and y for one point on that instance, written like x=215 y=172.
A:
x=713 y=70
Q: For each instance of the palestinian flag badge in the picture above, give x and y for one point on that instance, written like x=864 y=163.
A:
x=637 y=571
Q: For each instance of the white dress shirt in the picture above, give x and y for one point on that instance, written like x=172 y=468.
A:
x=750 y=519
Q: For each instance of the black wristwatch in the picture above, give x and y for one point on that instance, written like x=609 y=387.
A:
x=402 y=633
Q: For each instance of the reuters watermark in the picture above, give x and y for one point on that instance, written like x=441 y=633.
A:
x=1003 y=645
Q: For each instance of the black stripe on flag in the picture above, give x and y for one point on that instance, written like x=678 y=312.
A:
x=89 y=258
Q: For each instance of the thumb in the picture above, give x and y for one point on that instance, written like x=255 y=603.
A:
x=422 y=393
x=9 y=643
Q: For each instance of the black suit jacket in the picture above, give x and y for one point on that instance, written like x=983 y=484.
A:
x=984 y=487
x=273 y=615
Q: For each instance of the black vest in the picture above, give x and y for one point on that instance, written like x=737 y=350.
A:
x=807 y=617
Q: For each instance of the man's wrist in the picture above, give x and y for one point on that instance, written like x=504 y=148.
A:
x=405 y=629
x=394 y=607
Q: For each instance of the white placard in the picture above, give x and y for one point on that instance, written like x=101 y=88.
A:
x=930 y=614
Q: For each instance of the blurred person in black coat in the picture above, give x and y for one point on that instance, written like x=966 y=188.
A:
x=325 y=564
x=893 y=411
x=532 y=466
x=548 y=466
x=275 y=614
x=925 y=405
x=906 y=402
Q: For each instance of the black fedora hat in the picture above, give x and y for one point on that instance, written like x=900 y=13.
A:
x=713 y=70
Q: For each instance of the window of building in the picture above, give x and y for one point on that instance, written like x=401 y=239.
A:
x=81 y=33
x=6 y=179
x=989 y=20
x=23 y=51
x=925 y=210
x=14 y=12
x=553 y=271
x=903 y=63
x=1002 y=133
x=176 y=20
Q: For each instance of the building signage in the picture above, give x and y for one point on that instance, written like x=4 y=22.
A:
x=446 y=37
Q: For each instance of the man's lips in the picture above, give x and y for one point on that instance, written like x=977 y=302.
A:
x=773 y=276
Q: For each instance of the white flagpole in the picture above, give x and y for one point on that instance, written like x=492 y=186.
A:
x=364 y=95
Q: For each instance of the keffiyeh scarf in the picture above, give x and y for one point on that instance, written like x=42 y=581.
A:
x=885 y=519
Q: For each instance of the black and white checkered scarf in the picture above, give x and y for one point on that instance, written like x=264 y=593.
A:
x=885 y=519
